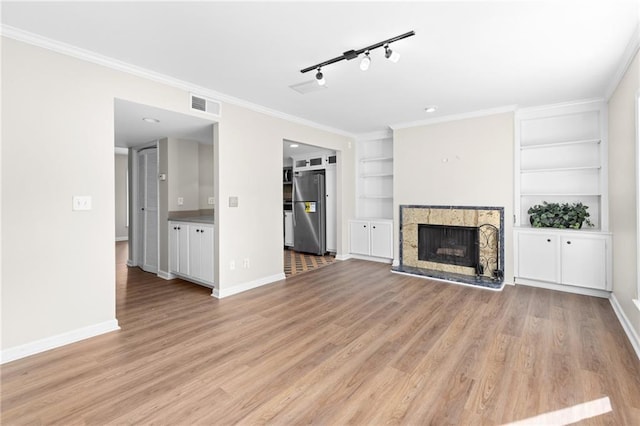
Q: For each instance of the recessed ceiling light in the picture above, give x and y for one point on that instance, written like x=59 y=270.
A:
x=431 y=108
x=150 y=120
x=293 y=145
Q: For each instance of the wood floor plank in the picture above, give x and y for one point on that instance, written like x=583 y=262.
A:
x=349 y=343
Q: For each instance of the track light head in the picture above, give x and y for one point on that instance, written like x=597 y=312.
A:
x=320 y=77
x=390 y=54
x=366 y=61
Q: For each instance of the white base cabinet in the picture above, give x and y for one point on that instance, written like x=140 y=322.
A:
x=371 y=238
x=191 y=250
x=572 y=258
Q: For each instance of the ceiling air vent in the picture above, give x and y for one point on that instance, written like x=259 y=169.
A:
x=206 y=105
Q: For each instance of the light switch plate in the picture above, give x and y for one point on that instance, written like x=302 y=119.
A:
x=211 y=201
x=180 y=201
x=233 y=201
x=81 y=202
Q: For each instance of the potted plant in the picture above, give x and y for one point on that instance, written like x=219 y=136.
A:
x=556 y=215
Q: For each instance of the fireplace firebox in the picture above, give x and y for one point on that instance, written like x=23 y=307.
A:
x=453 y=245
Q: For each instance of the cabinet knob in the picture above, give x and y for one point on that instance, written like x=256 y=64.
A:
x=548 y=240
x=364 y=226
x=373 y=227
x=202 y=230
x=568 y=242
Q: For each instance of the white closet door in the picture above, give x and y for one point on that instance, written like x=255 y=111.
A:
x=148 y=202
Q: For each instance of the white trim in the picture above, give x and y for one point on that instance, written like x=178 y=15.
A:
x=455 y=117
x=122 y=238
x=424 y=277
x=166 y=275
x=563 y=287
x=371 y=258
x=52 y=342
x=627 y=58
x=374 y=136
x=626 y=324
x=246 y=286
x=86 y=55
x=131 y=263
x=637 y=303
x=121 y=151
x=544 y=109
x=343 y=256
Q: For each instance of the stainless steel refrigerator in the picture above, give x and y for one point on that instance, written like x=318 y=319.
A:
x=309 y=212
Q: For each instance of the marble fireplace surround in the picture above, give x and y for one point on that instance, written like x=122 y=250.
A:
x=474 y=216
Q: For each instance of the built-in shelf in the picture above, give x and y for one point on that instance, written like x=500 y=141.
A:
x=561 y=156
x=374 y=190
x=561 y=169
x=372 y=159
x=557 y=144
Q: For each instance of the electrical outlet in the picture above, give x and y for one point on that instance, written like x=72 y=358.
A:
x=245 y=263
x=211 y=201
x=180 y=201
x=232 y=265
x=81 y=202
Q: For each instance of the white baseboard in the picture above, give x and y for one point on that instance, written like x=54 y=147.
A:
x=626 y=324
x=166 y=275
x=122 y=238
x=17 y=352
x=605 y=294
x=371 y=258
x=246 y=286
x=131 y=263
x=343 y=257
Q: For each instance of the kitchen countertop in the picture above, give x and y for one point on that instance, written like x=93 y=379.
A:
x=195 y=219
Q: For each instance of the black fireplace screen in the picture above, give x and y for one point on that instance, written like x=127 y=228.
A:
x=453 y=245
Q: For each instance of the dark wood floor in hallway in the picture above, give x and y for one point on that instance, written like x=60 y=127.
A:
x=350 y=343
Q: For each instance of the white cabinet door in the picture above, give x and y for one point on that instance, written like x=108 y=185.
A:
x=584 y=262
x=206 y=254
x=195 y=264
x=538 y=257
x=178 y=247
x=381 y=239
x=359 y=237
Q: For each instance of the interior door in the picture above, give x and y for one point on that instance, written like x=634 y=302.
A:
x=147 y=257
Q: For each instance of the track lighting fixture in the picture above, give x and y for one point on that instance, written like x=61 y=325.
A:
x=366 y=60
x=391 y=55
x=320 y=77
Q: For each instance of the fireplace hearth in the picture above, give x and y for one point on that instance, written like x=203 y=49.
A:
x=454 y=243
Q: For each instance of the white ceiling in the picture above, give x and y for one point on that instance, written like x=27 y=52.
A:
x=465 y=56
x=132 y=130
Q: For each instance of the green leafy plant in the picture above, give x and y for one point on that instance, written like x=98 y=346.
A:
x=556 y=215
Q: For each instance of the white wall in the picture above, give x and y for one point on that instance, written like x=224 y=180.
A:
x=465 y=162
x=121 y=190
x=623 y=190
x=70 y=152
x=244 y=162
x=183 y=175
x=205 y=175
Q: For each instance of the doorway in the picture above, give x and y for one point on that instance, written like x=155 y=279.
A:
x=146 y=206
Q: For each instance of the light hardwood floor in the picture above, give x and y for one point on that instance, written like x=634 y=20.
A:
x=348 y=343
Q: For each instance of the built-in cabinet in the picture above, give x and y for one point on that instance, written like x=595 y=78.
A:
x=572 y=258
x=561 y=157
x=371 y=233
x=191 y=251
x=371 y=238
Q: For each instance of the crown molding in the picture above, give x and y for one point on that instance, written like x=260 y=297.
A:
x=567 y=104
x=627 y=58
x=106 y=61
x=121 y=151
x=455 y=117
x=372 y=136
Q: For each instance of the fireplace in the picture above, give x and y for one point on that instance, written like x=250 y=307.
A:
x=453 y=243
